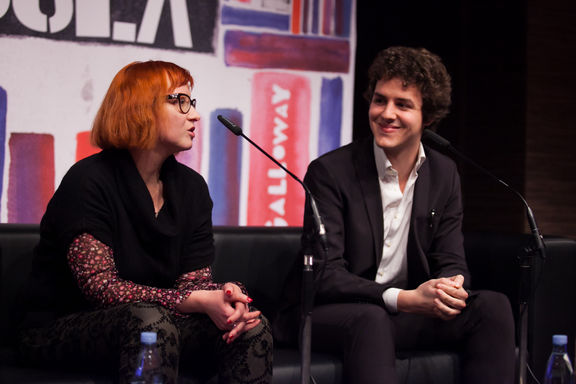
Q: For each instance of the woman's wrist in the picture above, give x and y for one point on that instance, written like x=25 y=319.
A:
x=197 y=301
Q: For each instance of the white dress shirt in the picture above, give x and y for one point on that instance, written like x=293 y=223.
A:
x=397 y=210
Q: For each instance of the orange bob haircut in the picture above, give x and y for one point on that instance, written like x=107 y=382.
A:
x=127 y=118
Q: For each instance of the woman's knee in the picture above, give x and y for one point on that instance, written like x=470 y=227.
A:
x=262 y=332
x=149 y=317
x=146 y=312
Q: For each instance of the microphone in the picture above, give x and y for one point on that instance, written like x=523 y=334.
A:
x=235 y=129
x=435 y=139
x=307 y=292
x=231 y=126
x=431 y=136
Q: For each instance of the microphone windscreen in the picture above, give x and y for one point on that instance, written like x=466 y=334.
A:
x=230 y=125
x=431 y=137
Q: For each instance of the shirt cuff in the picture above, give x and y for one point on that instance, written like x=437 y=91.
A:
x=390 y=297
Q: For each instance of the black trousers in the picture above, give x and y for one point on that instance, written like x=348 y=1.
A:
x=367 y=337
x=109 y=340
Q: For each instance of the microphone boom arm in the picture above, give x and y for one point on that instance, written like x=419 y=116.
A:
x=319 y=225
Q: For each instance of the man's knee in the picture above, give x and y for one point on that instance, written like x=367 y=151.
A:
x=494 y=309
x=363 y=335
x=369 y=316
x=359 y=321
x=492 y=301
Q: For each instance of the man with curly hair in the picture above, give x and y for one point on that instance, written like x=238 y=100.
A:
x=394 y=276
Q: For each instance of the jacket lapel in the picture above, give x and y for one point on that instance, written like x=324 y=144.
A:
x=418 y=269
x=365 y=167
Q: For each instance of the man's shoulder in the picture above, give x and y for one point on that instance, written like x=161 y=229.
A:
x=439 y=161
x=344 y=155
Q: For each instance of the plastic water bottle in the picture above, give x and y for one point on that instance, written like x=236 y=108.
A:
x=559 y=368
x=148 y=369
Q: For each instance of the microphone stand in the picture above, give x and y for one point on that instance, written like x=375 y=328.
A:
x=308 y=269
x=525 y=285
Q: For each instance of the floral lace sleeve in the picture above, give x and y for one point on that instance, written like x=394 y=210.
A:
x=201 y=279
x=93 y=266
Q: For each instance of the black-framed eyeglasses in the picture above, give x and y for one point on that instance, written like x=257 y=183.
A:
x=184 y=101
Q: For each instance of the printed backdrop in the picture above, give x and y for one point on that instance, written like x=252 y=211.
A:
x=281 y=69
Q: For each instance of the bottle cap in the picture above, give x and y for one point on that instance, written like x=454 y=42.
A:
x=559 y=339
x=148 y=337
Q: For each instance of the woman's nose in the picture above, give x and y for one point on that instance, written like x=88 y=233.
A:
x=193 y=114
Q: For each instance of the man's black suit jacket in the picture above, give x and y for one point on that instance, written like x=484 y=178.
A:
x=345 y=185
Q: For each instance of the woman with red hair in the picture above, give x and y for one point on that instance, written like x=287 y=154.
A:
x=126 y=247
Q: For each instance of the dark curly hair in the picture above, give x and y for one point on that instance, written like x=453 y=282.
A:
x=419 y=67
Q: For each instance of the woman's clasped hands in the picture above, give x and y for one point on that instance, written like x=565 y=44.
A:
x=228 y=308
x=242 y=318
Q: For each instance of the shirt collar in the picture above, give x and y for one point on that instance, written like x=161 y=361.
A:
x=383 y=164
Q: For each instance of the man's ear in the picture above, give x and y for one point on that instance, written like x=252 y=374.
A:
x=429 y=125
